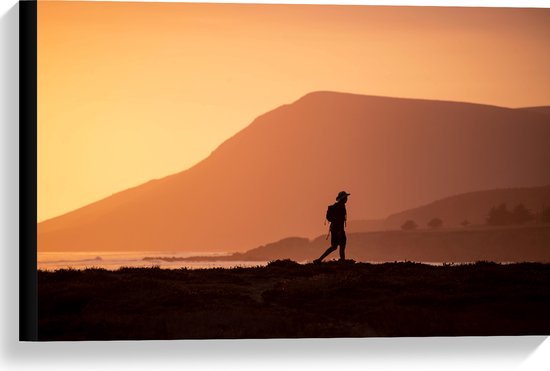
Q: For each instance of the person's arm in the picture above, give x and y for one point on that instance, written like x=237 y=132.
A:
x=345 y=217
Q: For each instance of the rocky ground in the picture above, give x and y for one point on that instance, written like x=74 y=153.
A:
x=289 y=300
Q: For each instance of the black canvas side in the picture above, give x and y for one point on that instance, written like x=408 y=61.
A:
x=28 y=300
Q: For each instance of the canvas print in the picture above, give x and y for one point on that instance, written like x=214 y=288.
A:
x=229 y=171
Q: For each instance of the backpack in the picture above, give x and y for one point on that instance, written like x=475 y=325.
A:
x=331 y=213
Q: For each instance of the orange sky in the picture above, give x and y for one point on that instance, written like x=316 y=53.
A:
x=128 y=92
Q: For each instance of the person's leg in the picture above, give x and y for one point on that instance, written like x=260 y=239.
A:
x=343 y=241
x=343 y=251
x=326 y=253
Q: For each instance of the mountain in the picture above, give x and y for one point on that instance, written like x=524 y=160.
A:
x=276 y=177
x=359 y=226
x=473 y=206
x=458 y=245
x=382 y=240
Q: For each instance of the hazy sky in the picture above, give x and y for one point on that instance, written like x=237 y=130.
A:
x=128 y=92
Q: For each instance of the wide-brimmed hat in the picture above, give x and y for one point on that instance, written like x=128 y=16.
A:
x=342 y=195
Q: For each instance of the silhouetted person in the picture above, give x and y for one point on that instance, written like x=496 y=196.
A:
x=337 y=215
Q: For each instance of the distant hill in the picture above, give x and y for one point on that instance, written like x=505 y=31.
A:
x=459 y=245
x=359 y=226
x=275 y=178
x=472 y=206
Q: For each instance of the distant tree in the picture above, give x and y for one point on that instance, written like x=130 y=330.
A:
x=521 y=215
x=545 y=215
x=435 y=223
x=465 y=223
x=499 y=215
x=409 y=225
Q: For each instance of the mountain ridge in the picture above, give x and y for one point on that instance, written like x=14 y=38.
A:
x=275 y=177
x=539 y=109
x=477 y=205
x=383 y=240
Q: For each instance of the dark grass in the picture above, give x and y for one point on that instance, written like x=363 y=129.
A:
x=288 y=300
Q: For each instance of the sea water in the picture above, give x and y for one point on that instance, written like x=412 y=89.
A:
x=50 y=261
x=134 y=259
